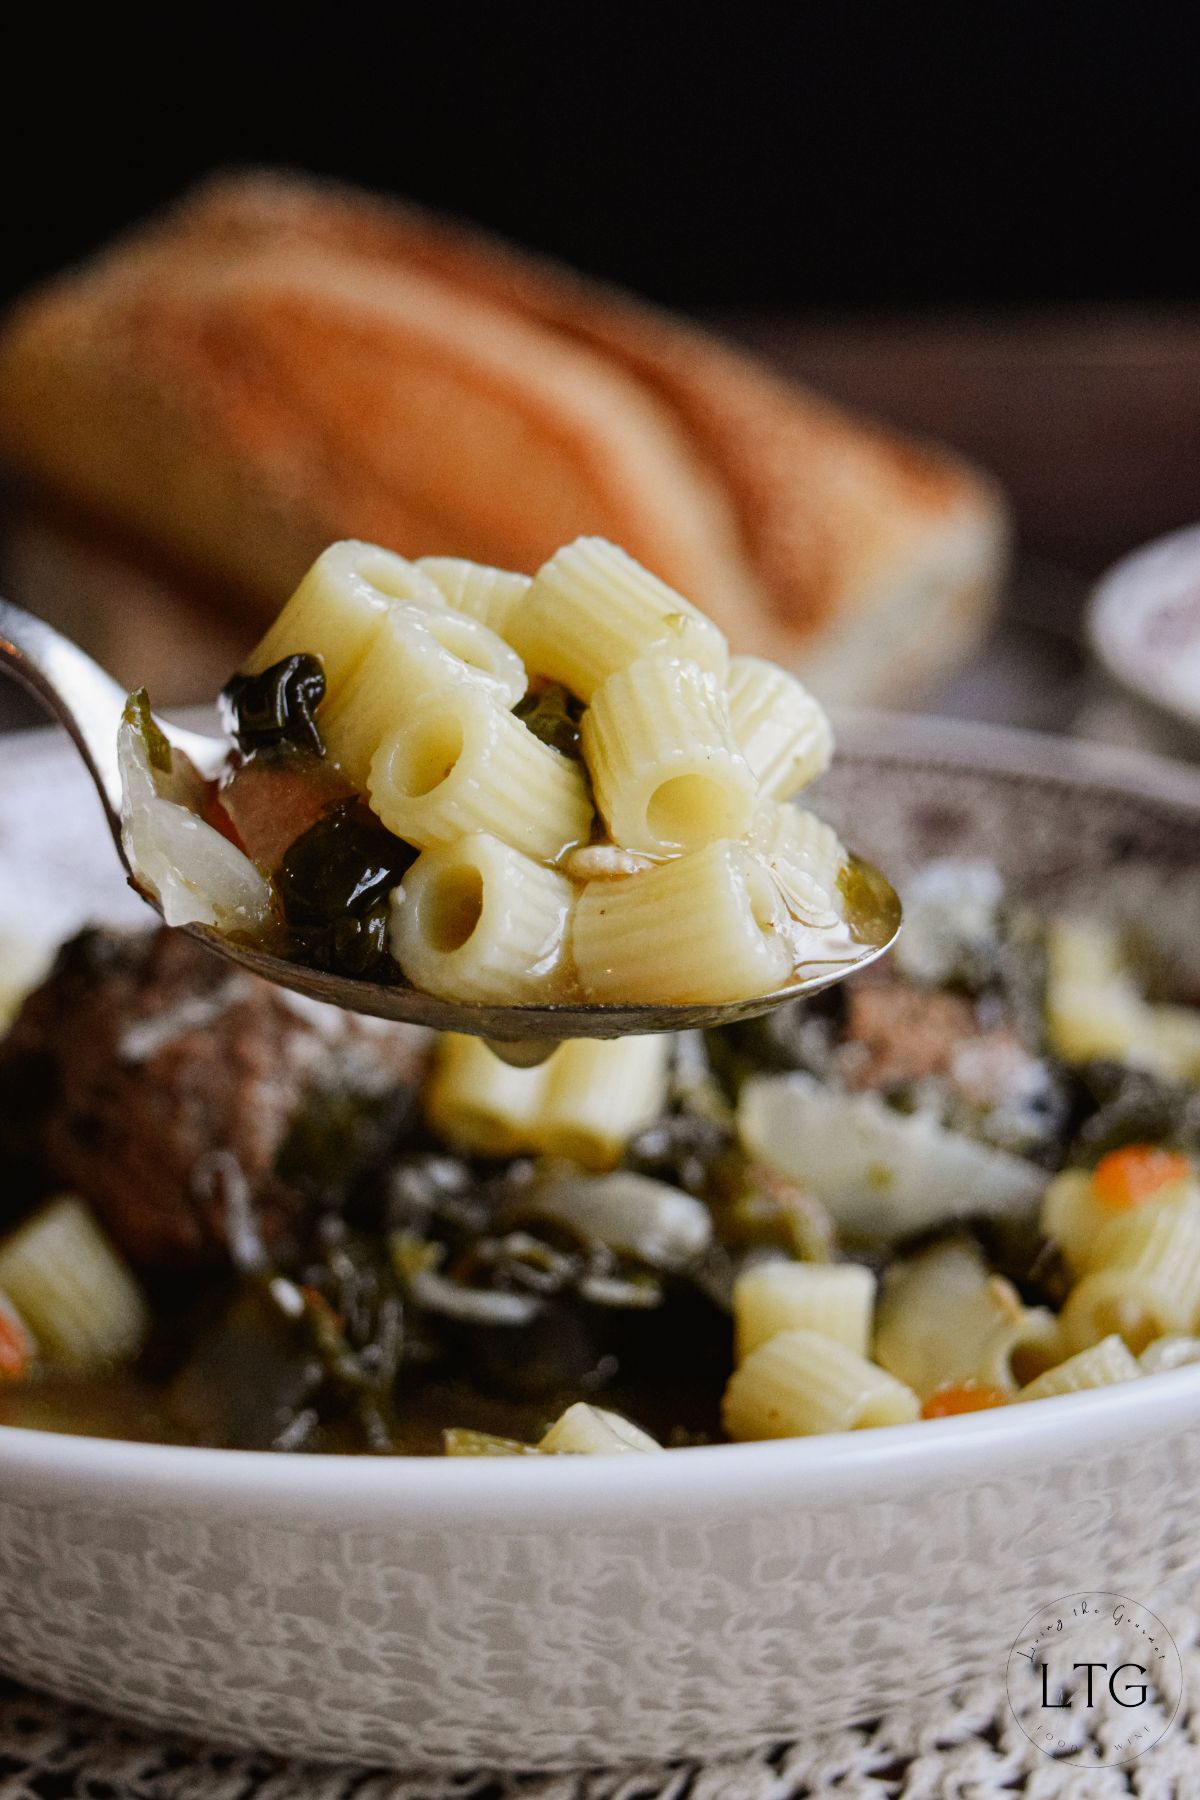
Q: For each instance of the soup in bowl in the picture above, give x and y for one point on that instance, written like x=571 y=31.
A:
x=539 y=1604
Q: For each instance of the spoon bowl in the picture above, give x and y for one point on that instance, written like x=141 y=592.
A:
x=89 y=703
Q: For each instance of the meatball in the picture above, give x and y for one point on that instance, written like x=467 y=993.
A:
x=173 y=1092
x=900 y=1033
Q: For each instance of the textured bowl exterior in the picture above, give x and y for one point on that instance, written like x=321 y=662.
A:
x=526 y=1615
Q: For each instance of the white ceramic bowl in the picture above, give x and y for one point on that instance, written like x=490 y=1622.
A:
x=1144 y=626
x=589 y=1611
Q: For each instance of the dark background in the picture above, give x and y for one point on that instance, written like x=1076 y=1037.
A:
x=817 y=155
x=974 y=220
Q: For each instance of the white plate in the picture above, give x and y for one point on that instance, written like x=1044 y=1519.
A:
x=584 y=1611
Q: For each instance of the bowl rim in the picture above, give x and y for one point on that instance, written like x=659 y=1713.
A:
x=562 y=1490
x=581 y=1490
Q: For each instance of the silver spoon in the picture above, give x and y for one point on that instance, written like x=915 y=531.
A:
x=89 y=703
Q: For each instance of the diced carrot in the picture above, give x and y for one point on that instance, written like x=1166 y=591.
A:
x=318 y=1304
x=962 y=1397
x=14 y=1348
x=1131 y=1176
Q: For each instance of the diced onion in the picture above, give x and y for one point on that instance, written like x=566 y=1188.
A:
x=585 y=1430
x=882 y=1174
x=660 y=1225
x=471 y=1306
x=198 y=876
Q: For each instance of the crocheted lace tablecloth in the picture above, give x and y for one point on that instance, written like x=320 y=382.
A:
x=964 y=1746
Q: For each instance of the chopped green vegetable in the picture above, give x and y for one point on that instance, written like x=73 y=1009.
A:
x=679 y=1148
x=334 y=883
x=209 y=1398
x=755 y=1207
x=341 y=1135
x=411 y=1254
x=264 y=711
x=803 y=1034
x=553 y=714
x=1127 y=1105
x=353 y=1313
x=138 y=714
x=459 y=1440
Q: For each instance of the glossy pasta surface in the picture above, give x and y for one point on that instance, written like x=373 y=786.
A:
x=589 y=718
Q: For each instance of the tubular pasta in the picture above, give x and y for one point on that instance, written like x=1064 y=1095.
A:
x=944 y=1319
x=490 y=595
x=1094 y=1007
x=835 y=1299
x=780 y=729
x=461 y=763
x=799 y=1383
x=705 y=926
x=478 y=921
x=336 y=609
x=593 y=610
x=412 y=654
x=1073 y=1217
x=598 y=1092
x=479 y=1104
x=1020 y=1346
x=1164 y=1353
x=584 y=1102
x=1101 y=1365
x=666 y=772
x=73 y=1292
x=1143 y=1277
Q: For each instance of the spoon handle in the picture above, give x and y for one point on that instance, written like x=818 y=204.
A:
x=76 y=690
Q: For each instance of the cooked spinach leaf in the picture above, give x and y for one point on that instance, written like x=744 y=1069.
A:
x=334 y=883
x=261 y=712
x=553 y=714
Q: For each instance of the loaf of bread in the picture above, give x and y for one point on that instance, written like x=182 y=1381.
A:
x=279 y=362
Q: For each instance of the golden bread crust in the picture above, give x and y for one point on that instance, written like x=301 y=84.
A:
x=279 y=362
